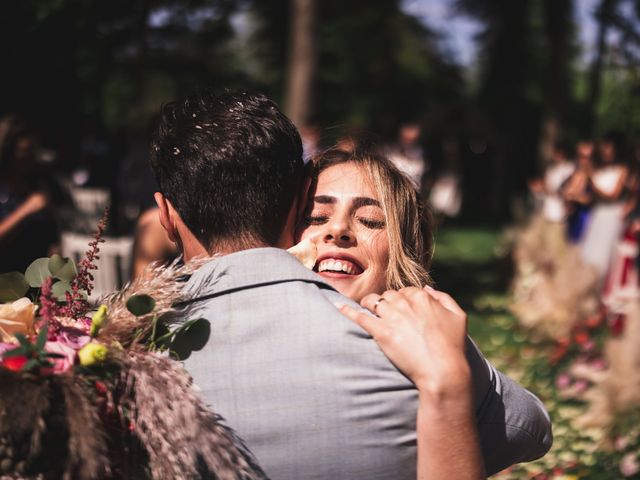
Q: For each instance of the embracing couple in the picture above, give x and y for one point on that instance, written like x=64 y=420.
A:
x=357 y=369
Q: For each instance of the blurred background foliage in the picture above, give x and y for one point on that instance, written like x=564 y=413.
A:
x=77 y=68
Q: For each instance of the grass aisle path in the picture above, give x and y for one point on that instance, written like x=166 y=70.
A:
x=466 y=266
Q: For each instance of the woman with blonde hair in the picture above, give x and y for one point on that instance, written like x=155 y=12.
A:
x=374 y=245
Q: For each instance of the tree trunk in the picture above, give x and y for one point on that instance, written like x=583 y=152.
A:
x=302 y=61
x=604 y=13
x=558 y=18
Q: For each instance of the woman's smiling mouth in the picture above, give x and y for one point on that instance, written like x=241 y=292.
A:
x=337 y=266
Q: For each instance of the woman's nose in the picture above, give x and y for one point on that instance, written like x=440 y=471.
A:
x=339 y=231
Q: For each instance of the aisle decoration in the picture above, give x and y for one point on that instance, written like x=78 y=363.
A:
x=586 y=372
x=470 y=264
x=96 y=392
x=554 y=293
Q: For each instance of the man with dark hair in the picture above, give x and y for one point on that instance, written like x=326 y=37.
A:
x=311 y=394
x=201 y=154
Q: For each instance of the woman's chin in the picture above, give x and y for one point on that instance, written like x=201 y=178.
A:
x=338 y=276
x=342 y=282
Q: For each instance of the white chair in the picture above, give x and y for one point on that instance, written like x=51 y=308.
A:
x=114 y=264
x=90 y=201
x=88 y=207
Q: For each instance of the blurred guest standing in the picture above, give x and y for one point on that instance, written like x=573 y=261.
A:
x=554 y=211
x=577 y=193
x=407 y=154
x=27 y=226
x=607 y=218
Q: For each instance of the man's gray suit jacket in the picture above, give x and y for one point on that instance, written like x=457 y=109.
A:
x=311 y=393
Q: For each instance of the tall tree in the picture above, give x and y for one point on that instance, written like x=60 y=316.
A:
x=302 y=61
x=375 y=63
x=507 y=76
x=558 y=19
x=604 y=15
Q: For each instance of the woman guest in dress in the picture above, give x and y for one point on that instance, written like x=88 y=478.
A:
x=608 y=184
x=577 y=193
x=554 y=210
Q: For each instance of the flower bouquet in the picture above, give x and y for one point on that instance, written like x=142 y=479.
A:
x=91 y=392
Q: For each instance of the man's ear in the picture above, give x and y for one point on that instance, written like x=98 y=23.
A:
x=166 y=214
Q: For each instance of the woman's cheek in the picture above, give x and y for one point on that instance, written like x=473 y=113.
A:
x=302 y=232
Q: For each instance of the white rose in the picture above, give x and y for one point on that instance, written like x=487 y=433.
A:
x=16 y=317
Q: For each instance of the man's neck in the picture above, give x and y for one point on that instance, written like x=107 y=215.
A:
x=226 y=248
x=195 y=249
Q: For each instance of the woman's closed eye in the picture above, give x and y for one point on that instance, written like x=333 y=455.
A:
x=314 y=219
x=372 y=223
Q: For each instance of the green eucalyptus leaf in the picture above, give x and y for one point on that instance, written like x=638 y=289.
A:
x=62 y=268
x=37 y=272
x=140 y=304
x=162 y=337
x=59 y=290
x=190 y=337
x=12 y=286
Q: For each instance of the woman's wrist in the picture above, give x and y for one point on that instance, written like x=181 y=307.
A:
x=449 y=384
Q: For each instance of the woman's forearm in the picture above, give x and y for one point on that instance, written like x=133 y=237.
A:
x=34 y=203
x=448 y=445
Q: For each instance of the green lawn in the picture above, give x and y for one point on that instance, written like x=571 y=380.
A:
x=467 y=267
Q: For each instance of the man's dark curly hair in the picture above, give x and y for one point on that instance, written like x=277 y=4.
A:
x=230 y=165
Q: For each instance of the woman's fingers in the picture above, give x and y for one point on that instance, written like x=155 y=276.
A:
x=421 y=331
x=371 y=325
x=445 y=300
x=383 y=305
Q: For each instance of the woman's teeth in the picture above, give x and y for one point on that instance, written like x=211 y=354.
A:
x=342 y=266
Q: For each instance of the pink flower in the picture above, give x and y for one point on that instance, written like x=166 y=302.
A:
x=629 y=465
x=599 y=364
x=61 y=365
x=6 y=346
x=580 y=386
x=588 y=346
x=621 y=443
x=73 y=337
x=563 y=381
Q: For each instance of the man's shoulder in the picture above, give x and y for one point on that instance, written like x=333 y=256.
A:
x=257 y=271
x=253 y=267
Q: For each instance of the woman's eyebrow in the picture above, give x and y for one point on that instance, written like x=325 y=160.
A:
x=365 y=201
x=356 y=201
x=324 y=199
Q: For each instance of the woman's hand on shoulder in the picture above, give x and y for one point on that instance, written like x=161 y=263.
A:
x=423 y=332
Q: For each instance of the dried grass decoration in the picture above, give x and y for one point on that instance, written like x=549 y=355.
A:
x=101 y=396
x=554 y=292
